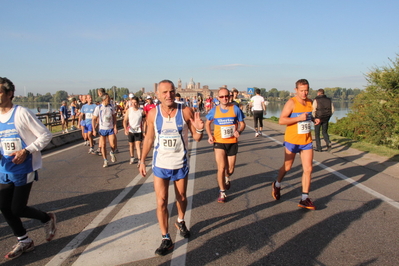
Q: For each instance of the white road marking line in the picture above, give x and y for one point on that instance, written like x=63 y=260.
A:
x=180 y=250
x=348 y=179
x=71 y=246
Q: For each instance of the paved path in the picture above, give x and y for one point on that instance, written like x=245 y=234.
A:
x=107 y=216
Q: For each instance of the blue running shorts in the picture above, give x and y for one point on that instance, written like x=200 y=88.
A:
x=294 y=148
x=18 y=179
x=172 y=175
x=88 y=128
x=107 y=132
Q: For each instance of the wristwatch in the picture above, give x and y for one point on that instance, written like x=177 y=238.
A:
x=27 y=152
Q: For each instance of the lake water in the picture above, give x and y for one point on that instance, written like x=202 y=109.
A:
x=273 y=108
x=44 y=107
x=341 y=110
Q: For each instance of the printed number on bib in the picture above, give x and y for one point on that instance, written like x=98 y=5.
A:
x=88 y=115
x=303 y=127
x=169 y=143
x=11 y=145
x=227 y=132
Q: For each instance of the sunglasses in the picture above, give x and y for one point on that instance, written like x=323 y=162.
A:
x=224 y=96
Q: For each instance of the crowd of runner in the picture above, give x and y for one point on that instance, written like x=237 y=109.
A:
x=162 y=125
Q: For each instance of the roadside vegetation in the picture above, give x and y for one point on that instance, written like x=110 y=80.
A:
x=392 y=154
x=374 y=115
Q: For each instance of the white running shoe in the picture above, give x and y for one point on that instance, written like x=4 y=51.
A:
x=256 y=134
x=50 y=227
x=20 y=248
x=113 y=157
x=105 y=163
x=131 y=160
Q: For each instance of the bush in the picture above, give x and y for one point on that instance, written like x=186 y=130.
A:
x=374 y=117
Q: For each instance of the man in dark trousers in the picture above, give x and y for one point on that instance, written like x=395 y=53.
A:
x=323 y=109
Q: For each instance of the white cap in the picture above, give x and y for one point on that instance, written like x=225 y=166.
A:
x=131 y=95
x=149 y=97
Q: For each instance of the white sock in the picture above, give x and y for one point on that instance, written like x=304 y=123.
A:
x=305 y=196
x=277 y=184
x=24 y=239
x=180 y=220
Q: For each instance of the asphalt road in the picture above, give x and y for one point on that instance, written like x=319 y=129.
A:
x=106 y=216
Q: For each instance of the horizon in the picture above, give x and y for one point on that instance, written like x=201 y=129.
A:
x=78 y=46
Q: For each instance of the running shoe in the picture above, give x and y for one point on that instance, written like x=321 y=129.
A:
x=50 y=227
x=165 y=247
x=329 y=148
x=256 y=134
x=99 y=152
x=222 y=197
x=91 y=151
x=20 y=248
x=85 y=143
x=183 y=229
x=131 y=160
x=307 y=204
x=226 y=183
x=275 y=191
x=105 y=163
x=138 y=163
x=116 y=151
x=113 y=158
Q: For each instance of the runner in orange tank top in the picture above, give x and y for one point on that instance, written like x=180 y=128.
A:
x=297 y=115
x=228 y=120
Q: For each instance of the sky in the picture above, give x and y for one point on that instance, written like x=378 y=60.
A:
x=76 y=46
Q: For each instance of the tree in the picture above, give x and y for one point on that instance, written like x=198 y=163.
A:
x=60 y=96
x=374 y=116
x=139 y=93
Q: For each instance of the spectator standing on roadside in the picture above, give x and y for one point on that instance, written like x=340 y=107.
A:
x=22 y=136
x=323 y=108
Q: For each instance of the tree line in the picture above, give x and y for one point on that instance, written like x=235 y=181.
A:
x=118 y=94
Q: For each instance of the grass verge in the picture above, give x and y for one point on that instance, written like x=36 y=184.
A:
x=392 y=154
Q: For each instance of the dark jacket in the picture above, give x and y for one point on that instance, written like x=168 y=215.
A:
x=323 y=109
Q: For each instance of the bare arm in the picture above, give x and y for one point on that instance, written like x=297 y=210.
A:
x=126 y=123
x=148 y=140
x=194 y=123
x=285 y=118
x=94 y=125
x=211 y=140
